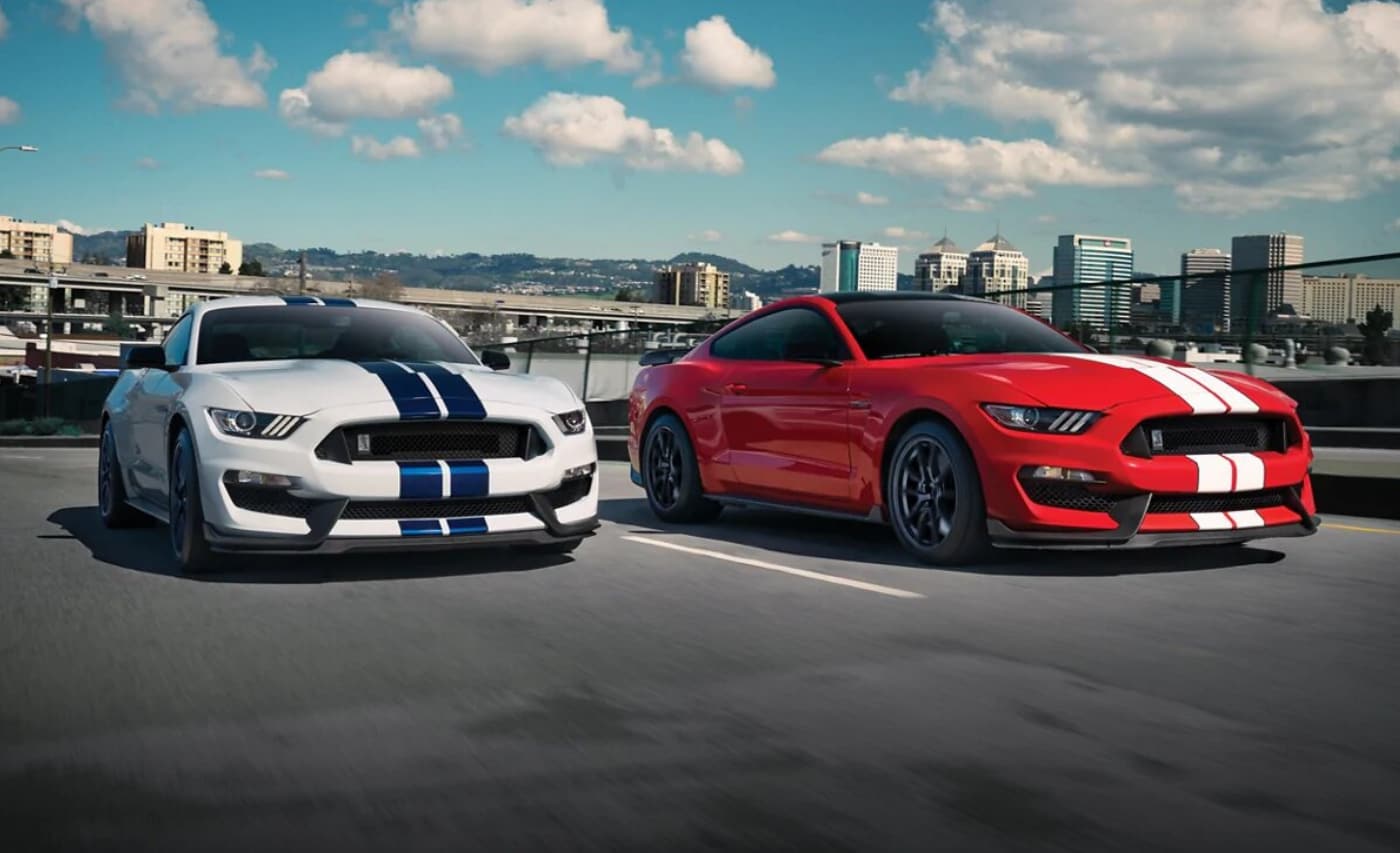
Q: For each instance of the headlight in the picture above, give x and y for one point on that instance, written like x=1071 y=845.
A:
x=572 y=423
x=1032 y=419
x=246 y=424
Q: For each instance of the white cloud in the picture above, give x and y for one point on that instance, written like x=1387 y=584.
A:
x=967 y=204
x=791 y=236
x=272 y=175
x=1250 y=123
x=168 y=51
x=871 y=200
x=1394 y=226
x=709 y=235
x=150 y=164
x=898 y=232
x=489 y=35
x=1046 y=219
x=715 y=57
x=9 y=111
x=982 y=167
x=362 y=85
x=71 y=227
x=573 y=129
x=440 y=132
x=369 y=148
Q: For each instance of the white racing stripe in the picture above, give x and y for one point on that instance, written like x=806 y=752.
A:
x=1212 y=521
x=1201 y=401
x=1249 y=471
x=1237 y=401
x=774 y=567
x=446 y=478
x=1246 y=518
x=1214 y=473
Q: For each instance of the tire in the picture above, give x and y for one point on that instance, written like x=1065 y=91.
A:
x=191 y=550
x=565 y=546
x=933 y=497
x=111 y=491
x=671 y=475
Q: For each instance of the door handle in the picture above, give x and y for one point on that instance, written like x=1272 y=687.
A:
x=736 y=388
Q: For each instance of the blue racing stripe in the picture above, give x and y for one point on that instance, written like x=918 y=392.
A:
x=300 y=300
x=469 y=479
x=465 y=526
x=420 y=528
x=457 y=394
x=420 y=480
x=412 y=397
x=338 y=301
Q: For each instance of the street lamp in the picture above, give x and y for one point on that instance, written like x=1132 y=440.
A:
x=27 y=148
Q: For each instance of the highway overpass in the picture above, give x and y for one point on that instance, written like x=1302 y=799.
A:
x=150 y=297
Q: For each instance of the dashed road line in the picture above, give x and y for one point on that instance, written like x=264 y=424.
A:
x=1354 y=529
x=774 y=567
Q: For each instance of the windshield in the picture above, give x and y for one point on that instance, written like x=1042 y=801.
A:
x=909 y=328
x=266 y=333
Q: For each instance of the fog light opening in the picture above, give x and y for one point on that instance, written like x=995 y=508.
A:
x=580 y=471
x=260 y=479
x=1064 y=475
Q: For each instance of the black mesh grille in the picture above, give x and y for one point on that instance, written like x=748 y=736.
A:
x=1067 y=496
x=1208 y=434
x=429 y=440
x=366 y=510
x=570 y=492
x=1217 y=503
x=270 y=501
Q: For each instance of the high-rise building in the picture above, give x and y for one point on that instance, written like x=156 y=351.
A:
x=1339 y=298
x=994 y=267
x=35 y=241
x=693 y=284
x=850 y=265
x=177 y=247
x=1201 y=299
x=941 y=267
x=1085 y=258
x=1275 y=289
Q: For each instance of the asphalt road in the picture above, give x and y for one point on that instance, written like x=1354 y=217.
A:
x=819 y=693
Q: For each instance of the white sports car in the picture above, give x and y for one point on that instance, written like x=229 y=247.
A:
x=294 y=424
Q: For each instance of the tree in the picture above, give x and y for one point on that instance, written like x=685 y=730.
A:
x=117 y=325
x=7 y=255
x=253 y=267
x=1378 y=322
x=225 y=269
x=385 y=286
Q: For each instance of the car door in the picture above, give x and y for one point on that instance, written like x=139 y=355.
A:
x=784 y=406
x=150 y=404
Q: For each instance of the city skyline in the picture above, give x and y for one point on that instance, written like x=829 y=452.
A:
x=357 y=126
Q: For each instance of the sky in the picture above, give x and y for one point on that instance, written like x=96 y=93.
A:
x=645 y=128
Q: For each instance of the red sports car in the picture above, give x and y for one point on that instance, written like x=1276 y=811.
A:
x=964 y=423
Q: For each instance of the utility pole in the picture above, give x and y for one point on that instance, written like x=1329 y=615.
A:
x=48 y=346
x=301 y=273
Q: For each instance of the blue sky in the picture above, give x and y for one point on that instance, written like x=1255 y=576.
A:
x=1048 y=116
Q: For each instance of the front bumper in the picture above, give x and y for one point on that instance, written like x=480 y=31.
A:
x=482 y=503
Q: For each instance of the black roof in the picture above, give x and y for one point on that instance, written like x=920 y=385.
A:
x=873 y=296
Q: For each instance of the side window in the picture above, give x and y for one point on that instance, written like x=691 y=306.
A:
x=177 y=343
x=782 y=334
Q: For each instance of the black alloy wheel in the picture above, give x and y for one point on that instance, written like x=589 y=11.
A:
x=933 y=496
x=672 y=476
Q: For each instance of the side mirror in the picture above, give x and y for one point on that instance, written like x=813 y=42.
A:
x=145 y=356
x=495 y=359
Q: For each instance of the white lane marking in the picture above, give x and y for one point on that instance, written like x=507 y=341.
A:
x=1212 y=521
x=1213 y=472
x=1233 y=398
x=446 y=479
x=1246 y=518
x=1249 y=471
x=30 y=458
x=774 y=567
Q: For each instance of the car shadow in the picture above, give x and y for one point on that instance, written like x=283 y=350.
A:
x=147 y=549
x=812 y=537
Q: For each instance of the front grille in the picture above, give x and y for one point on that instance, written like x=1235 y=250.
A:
x=1207 y=434
x=431 y=440
x=370 y=510
x=270 y=501
x=1235 y=502
x=1067 y=496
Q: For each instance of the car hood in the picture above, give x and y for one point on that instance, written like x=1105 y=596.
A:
x=304 y=386
x=1099 y=382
